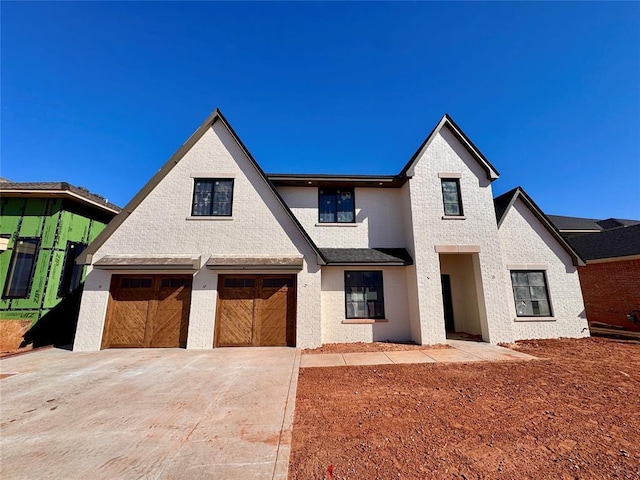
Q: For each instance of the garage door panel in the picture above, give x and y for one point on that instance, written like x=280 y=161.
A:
x=236 y=319
x=148 y=312
x=272 y=325
x=262 y=315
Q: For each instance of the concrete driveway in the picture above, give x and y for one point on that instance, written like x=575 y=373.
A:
x=154 y=413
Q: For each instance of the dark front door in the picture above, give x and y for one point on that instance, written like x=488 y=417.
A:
x=447 y=303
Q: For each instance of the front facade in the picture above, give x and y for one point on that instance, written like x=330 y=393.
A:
x=44 y=227
x=212 y=252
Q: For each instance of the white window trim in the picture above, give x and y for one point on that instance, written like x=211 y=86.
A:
x=213 y=175
x=344 y=224
x=454 y=217
x=449 y=175
x=209 y=218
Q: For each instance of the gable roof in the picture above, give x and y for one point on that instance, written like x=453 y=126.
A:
x=617 y=242
x=55 y=189
x=215 y=116
x=504 y=202
x=447 y=121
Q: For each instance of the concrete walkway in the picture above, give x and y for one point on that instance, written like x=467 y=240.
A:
x=462 y=351
x=148 y=413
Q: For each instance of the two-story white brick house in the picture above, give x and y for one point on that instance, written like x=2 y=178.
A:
x=214 y=252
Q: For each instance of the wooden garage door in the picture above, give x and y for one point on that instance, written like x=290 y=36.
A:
x=256 y=310
x=148 y=311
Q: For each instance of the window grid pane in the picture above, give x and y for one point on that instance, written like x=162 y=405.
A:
x=336 y=205
x=530 y=294
x=364 y=294
x=212 y=197
x=451 y=197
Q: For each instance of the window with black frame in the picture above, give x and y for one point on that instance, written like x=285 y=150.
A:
x=451 y=197
x=71 y=271
x=336 y=205
x=212 y=197
x=20 y=273
x=530 y=293
x=364 y=296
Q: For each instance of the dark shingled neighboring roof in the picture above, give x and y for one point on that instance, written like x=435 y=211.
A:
x=617 y=242
x=567 y=224
x=367 y=256
x=574 y=223
x=610 y=223
x=8 y=186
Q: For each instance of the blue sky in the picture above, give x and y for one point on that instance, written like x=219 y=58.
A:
x=101 y=94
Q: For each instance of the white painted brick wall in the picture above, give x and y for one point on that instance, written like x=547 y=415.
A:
x=378 y=223
x=446 y=155
x=395 y=308
x=160 y=226
x=525 y=241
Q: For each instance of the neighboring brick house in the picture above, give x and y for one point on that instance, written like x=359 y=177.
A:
x=43 y=228
x=214 y=252
x=610 y=279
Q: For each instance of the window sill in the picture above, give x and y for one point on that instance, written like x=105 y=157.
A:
x=363 y=321
x=454 y=217
x=345 y=224
x=209 y=218
x=534 y=319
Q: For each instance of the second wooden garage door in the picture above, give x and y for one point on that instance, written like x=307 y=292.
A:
x=256 y=310
x=148 y=311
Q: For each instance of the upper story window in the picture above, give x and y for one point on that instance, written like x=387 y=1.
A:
x=20 y=272
x=336 y=205
x=451 y=197
x=530 y=293
x=212 y=197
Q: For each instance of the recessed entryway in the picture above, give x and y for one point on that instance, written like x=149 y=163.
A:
x=148 y=311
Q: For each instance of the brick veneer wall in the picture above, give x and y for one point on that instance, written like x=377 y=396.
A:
x=611 y=290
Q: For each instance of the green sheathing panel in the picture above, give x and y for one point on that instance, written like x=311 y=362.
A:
x=48 y=220
x=51 y=223
x=33 y=216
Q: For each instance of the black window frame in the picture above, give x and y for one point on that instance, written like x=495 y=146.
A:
x=71 y=276
x=381 y=315
x=12 y=268
x=546 y=291
x=335 y=192
x=211 y=181
x=444 y=201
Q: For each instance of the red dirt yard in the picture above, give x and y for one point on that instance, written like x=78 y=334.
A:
x=573 y=415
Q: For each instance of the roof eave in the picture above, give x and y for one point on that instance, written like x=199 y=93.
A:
x=55 y=192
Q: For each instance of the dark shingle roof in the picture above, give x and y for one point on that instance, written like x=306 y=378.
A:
x=617 y=242
x=574 y=223
x=565 y=224
x=610 y=223
x=367 y=256
x=8 y=186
